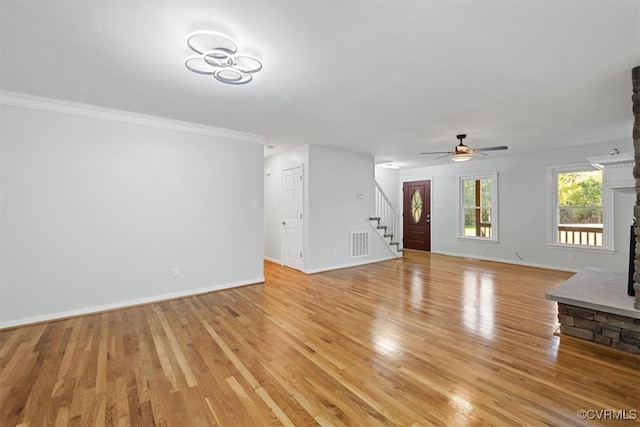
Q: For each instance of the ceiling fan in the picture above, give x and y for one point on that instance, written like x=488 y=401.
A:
x=463 y=153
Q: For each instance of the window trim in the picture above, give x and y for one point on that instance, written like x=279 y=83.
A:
x=608 y=216
x=494 y=206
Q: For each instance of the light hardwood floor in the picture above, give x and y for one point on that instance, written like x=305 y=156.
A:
x=424 y=340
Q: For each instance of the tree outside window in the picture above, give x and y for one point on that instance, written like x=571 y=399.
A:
x=579 y=208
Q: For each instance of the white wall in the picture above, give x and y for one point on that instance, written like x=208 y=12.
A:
x=523 y=209
x=96 y=213
x=333 y=178
x=336 y=177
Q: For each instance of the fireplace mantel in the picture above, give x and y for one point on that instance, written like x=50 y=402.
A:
x=618 y=170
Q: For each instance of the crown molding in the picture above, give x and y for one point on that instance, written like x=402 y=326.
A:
x=34 y=102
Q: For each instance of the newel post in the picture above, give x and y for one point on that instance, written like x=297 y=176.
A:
x=635 y=99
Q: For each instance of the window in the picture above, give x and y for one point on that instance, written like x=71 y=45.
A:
x=479 y=201
x=579 y=208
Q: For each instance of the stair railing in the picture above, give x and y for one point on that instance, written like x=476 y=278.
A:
x=387 y=213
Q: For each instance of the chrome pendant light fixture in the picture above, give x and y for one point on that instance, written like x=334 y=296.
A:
x=217 y=55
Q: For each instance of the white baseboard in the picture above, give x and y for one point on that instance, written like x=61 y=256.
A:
x=351 y=264
x=273 y=260
x=507 y=261
x=124 y=304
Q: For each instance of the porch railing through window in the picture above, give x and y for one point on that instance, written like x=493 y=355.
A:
x=580 y=234
x=485 y=229
x=480 y=229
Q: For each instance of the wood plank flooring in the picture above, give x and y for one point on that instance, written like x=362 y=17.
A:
x=423 y=340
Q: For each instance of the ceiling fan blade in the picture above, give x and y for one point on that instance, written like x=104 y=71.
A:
x=438 y=152
x=442 y=157
x=501 y=147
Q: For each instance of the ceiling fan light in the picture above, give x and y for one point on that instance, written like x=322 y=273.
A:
x=461 y=157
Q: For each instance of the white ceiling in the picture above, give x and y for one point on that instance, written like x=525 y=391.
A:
x=388 y=78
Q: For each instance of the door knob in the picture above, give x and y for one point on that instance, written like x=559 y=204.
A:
x=284 y=223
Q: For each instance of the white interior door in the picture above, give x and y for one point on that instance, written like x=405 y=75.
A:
x=292 y=220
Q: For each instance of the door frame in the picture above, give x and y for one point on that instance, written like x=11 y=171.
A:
x=431 y=207
x=304 y=216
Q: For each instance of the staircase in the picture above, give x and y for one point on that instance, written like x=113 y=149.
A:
x=387 y=219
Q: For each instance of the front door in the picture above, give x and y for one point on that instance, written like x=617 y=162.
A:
x=416 y=215
x=292 y=200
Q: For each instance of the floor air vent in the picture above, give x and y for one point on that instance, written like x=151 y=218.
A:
x=359 y=244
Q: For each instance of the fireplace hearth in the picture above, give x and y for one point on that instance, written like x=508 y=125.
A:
x=593 y=305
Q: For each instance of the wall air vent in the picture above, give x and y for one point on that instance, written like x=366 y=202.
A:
x=359 y=244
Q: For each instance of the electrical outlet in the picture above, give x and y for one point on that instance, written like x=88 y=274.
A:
x=175 y=272
x=572 y=257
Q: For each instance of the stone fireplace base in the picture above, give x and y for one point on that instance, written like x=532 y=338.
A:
x=593 y=305
x=604 y=328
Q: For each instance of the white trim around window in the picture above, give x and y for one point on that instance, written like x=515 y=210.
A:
x=494 y=206
x=552 y=215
